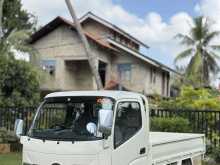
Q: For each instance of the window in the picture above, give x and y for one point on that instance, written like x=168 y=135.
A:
x=187 y=162
x=66 y=118
x=49 y=66
x=124 y=72
x=172 y=163
x=127 y=123
x=153 y=75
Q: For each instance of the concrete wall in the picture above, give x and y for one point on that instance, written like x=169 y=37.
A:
x=64 y=46
x=72 y=68
x=61 y=42
x=140 y=75
x=102 y=32
x=96 y=29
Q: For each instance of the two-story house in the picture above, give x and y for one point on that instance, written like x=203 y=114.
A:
x=62 y=57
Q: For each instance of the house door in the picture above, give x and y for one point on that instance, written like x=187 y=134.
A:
x=102 y=72
x=130 y=146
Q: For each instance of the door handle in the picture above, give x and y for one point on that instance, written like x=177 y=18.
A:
x=142 y=151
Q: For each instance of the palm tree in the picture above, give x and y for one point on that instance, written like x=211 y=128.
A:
x=203 y=56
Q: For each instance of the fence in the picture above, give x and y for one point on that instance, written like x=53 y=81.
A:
x=205 y=122
x=9 y=115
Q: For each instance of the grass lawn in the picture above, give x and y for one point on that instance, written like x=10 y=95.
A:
x=10 y=159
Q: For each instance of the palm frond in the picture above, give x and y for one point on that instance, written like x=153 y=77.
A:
x=214 y=55
x=215 y=47
x=183 y=55
x=211 y=64
x=210 y=37
x=185 y=39
x=200 y=29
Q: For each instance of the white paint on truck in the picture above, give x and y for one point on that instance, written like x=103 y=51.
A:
x=172 y=147
x=129 y=141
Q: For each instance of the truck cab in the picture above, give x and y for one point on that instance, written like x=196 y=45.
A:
x=98 y=128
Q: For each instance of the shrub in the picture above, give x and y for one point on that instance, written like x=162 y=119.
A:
x=19 y=83
x=175 y=124
x=193 y=99
x=216 y=154
x=7 y=137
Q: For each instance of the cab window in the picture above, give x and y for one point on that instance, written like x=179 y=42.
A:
x=128 y=122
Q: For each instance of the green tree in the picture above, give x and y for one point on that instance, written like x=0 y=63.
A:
x=15 y=18
x=193 y=99
x=16 y=24
x=203 y=55
x=19 y=81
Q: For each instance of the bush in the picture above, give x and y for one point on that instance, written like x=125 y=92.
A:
x=216 y=154
x=19 y=83
x=6 y=136
x=176 y=124
x=193 y=99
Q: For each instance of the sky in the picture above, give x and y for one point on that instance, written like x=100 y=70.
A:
x=155 y=22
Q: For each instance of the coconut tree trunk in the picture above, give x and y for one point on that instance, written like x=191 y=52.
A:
x=1 y=18
x=91 y=57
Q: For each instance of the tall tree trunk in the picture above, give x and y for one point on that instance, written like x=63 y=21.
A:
x=205 y=71
x=1 y=18
x=93 y=61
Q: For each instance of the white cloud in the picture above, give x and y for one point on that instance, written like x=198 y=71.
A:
x=45 y=10
x=210 y=9
x=151 y=29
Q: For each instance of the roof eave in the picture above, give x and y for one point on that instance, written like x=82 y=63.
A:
x=144 y=57
x=110 y=25
x=57 y=22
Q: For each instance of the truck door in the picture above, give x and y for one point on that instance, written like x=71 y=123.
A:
x=130 y=135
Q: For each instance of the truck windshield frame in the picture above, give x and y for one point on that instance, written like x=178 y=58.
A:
x=66 y=118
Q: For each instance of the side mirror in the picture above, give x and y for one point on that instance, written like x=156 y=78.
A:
x=18 y=130
x=105 y=121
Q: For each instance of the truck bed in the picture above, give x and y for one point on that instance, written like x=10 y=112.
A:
x=171 y=147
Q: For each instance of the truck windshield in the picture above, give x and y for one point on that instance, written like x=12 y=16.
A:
x=66 y=118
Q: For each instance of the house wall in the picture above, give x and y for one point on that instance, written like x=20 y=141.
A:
x=102 y=32
x=141 y=76
x=96 y=29
x=62 y=42
x=72 y=68
x=64 y=46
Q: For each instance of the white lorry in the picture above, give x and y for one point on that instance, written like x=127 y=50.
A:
x=103 y=128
